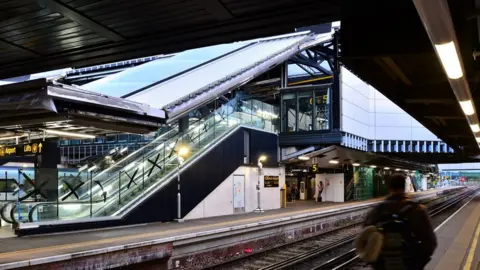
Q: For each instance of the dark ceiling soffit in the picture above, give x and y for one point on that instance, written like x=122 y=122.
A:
x=20 y=49
x=239 y=29
x=75 y=16
x=217 y=9
x=23 y=86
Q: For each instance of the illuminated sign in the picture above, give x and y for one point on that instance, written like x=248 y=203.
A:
x=8 y=151
x=22 y=150
x=271 y=181
x=314 y=168
x=33 y=148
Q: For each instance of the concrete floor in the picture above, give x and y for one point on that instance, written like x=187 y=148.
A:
x=458 y=246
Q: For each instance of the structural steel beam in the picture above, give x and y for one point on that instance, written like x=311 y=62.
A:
x=217 y=9
x=81 y=19
x=430 y=101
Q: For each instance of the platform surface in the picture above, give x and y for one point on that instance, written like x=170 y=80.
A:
x=458 y=240
x=27 y=248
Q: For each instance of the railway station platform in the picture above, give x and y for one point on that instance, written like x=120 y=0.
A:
x=116 y=247
x=458 y=240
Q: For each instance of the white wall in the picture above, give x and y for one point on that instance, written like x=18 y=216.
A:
x=220 y=201
x=333 y=187
x=369 y=114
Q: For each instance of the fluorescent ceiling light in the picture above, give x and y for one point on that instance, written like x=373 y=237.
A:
x=69 y=134
x=303 y=158
x=397 y=169
x=387 y=168
x=449 y=58
x=356 y=164
x=12 y=137
x=373 y=166
x=475 y=128
x=333 y=161
x=467 y=107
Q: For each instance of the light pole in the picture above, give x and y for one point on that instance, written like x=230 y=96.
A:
x=182 y=152
x=260 y=166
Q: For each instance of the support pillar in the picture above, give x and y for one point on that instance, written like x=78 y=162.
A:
x=284 y=75
x=183 y=124
x=335 y=118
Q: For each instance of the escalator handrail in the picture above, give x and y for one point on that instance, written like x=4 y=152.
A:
x=34 y=208
x=123 y=188
x=151 y=152
x=156 y=140
x=12 y=212
x=114 y=194
x=171 y=175
x=2 y=212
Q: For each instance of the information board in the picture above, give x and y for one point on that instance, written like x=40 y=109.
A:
x=22 y=150
x=271 y=181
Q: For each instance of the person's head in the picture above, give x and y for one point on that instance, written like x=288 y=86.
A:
x=321 y=183
x=396 y=183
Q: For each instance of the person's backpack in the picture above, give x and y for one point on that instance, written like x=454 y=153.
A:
x=390 y=242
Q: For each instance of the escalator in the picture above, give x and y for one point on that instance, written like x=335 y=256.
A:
x=142 y=187
x=148 y=175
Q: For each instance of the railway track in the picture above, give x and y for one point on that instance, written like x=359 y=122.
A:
x=349 y=260
x=307 y=253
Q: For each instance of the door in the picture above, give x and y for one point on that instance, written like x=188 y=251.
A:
x=239 y=193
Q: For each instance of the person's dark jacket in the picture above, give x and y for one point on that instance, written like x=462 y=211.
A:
x=419 y=221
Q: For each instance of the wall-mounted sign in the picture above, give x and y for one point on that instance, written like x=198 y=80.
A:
x=271 y=181
x=32 y=148
x=314 y=168
x=29 y=149
x=6 y=151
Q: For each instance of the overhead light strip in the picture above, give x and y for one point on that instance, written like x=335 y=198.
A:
x=449 y=58
x=12 y=137
x=69 y=134
x=436 y=18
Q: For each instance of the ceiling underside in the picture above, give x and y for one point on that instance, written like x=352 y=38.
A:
x=348 y=156
x=385 y=44
x=41 y=35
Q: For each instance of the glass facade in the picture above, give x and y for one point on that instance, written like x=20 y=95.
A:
x=306 y=109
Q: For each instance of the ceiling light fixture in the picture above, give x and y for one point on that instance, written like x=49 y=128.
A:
x=387 y=168
x=437 y=20
x=303 y=158
x=449 y=57
x=12 y=137
x=356 y=164
x=373 y=166
x=475 y=128
x=333 y=161
x=69 y=134
x=467 y=107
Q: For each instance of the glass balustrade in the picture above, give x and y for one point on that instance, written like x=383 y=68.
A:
x=109 y=192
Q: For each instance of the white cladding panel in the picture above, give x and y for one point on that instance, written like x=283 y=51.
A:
x=369 y=114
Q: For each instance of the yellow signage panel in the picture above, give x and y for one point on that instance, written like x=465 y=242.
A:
x=33 y=148
x=8 y=151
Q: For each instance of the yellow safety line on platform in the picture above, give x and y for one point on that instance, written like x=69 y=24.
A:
x=473 y=247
